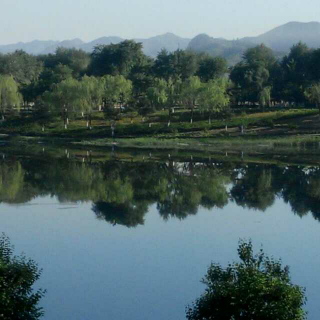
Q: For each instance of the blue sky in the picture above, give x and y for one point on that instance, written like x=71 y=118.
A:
x=26 y=20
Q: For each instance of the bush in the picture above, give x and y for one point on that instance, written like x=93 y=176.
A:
x=17 y=276
x=256 y=288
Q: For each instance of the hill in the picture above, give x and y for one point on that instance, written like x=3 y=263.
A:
x=231 y=50
x=284 y=37
x=151 y=46
x=33 y=47
x=279 y=39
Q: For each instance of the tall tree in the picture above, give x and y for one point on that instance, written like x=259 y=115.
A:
x=214 y=97
x=23 y=67
x=91 y=93
x=10 y=97
x=313 y=94
x=296 y=68
x=190 y=93
x=254 y=73
x=212 y=68
x=117 y=91
x=116 y=59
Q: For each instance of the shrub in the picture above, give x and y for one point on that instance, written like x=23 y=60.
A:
x=17 y=276
x=256 y=288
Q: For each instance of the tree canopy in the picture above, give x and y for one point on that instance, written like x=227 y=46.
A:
x=256 y=288
x=18 y=300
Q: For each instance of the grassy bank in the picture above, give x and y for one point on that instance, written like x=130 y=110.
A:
x=268 y=123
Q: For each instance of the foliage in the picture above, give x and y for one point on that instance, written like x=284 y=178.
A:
x=9 y=95
x=213 y=96
x=313 y=94
x=258 y=288
x=17 y=276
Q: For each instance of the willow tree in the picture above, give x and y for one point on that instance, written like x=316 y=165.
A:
x=190 y=93
x=10 y=97
x=117 y=91
x=91 y=93
x=213 y=96
x=264 y=97
x=157 y=94
x=64 y=98
x=313 y=95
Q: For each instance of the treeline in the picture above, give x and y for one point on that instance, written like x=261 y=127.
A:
x=120 y=77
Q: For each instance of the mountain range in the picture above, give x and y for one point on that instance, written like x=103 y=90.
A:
x=151 y=46
x=280 y=39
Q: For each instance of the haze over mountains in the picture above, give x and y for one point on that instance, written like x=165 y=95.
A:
x=151 y=46
x=280 y=39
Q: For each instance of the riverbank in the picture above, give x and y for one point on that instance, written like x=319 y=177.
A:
x=275 y=123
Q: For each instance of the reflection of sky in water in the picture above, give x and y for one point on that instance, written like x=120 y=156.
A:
x=93 y=270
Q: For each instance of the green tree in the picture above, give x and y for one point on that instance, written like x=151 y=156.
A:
x=212 y=68
x=214 y=97
x=90 y=95
x=10 y=97
x=157 y=94
x=265 y=97
x=256 y=288
x=117 y=91
x=190 y=94
x=254 y=73
x=116 y=59
x=296 y=68
x=75 y=59
x=313 y=94
x=17 y=276
x=64 y=98
x=23 y=67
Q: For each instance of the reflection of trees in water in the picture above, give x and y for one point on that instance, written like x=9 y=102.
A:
x=256 y=189
x=302 y=190
x=13 y=186
x=121 y=192
x=127 y=214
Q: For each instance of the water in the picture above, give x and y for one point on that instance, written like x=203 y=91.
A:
x=131 y=238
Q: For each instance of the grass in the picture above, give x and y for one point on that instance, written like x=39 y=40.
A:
x=155 y=125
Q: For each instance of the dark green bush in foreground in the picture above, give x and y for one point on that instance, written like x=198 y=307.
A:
x=257 y=288
x=18 y=301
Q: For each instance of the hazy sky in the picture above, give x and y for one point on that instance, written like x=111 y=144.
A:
x=26 y=20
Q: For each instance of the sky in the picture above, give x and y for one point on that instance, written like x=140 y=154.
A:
x=27 y=20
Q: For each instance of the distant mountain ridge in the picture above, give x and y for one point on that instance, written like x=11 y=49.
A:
x=151 y=46
x=280 y=39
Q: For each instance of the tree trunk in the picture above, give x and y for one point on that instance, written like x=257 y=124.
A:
x=191 y=120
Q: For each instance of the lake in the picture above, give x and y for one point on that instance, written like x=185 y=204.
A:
x=129 y=234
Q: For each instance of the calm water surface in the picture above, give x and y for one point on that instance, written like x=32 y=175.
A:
x=132 y=239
